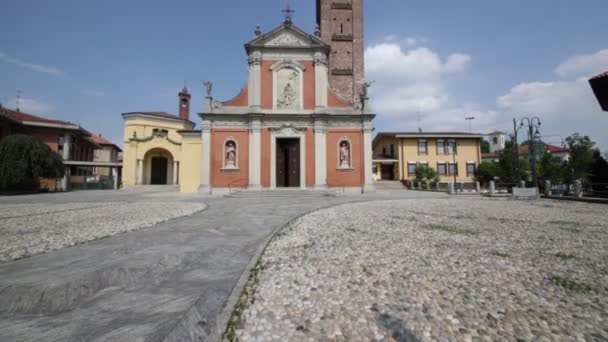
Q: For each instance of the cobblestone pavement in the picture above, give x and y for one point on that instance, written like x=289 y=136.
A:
x=465 y=269
x=30 y=229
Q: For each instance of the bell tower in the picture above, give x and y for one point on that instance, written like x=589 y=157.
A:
x=184 y=104
x=341 y=26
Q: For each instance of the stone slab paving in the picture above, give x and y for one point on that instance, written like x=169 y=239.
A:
x=457 y=269
x=168 y=282
x=31 y=229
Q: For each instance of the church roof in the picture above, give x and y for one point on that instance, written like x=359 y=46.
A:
x=158 y=114
x=287 y=35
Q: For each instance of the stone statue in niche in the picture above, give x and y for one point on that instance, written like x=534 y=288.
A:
x=344 y=154
x=230 y=156
x=288 y=86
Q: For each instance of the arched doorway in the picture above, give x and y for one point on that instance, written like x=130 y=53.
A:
x=159 y=167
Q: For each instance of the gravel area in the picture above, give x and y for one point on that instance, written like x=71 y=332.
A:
x=30 y=229
x=458 y=269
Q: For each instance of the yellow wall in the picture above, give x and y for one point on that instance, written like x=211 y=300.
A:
x=468 y=150
x=187 y=154
x=190 y=168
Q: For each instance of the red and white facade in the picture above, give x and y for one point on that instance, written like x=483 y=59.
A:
x=288 y=127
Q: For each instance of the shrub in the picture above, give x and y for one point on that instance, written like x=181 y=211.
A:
x=425 y=173
x=486 y=172
x=24 y=159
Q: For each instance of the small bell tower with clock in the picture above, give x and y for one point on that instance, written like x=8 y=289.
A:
x=184 y=103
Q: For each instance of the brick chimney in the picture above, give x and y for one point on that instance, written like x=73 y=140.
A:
x=184 y=104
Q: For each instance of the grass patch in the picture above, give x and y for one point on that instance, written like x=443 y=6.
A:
x=248 y=295
x=502 y=255
x=570 y=284
x=565 y=256
x=449 y=229
x=566 y=223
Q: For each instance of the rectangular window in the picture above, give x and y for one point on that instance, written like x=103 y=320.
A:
x=392 y=151
x=440 y=146
x=470 y=169
x=422 y=147
x=453 y=169
x=442 y=169
x=452 y=147
x=411 y=169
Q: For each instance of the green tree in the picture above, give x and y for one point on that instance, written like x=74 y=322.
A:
x=24 y=159
x=485 y=146
x=598 y=168
x=425 y=173
x=550 y=168
x=486 y=172
x=506 y=168
x=581 y=157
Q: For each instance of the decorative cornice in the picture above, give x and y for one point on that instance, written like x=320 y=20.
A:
x=153 y=136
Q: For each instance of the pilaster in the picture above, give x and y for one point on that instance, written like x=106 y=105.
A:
x=367 y=157
x=321 y=80
x=255 y=75
x=320 y=154
x=205 y=187
x=255 y=153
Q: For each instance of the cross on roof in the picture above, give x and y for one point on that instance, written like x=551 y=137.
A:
x=288 y=11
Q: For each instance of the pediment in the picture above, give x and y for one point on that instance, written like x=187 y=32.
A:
x=287 y=39
x=286 y=36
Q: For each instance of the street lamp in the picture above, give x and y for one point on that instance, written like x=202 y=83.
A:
x=533 y=125
x=470 y=119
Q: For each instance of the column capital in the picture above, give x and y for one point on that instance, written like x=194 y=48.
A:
x=206 y=126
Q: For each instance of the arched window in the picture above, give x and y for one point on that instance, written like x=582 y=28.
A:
x=230 y=154
x=345 y=154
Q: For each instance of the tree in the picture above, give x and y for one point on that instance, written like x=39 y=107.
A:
x=486 y=172
x=599 y=168
x=425 y=173
x=485 y=146
x=506 y=169
x=24 y=159
x=550 y=168
x=581 y=157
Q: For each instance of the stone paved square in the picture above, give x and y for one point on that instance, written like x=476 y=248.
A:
x=457 y=269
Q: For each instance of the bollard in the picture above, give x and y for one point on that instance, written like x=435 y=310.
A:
x=450 y=188
x=477 y=187
x=428 y=185
x=522 y=184
x=578 y=189
x=437 y=186
x=492 y=188
x=547 y=188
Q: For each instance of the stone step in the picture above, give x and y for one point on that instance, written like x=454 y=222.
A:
x=281 y=193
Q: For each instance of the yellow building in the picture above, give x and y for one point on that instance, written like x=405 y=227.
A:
x=396 y=155
x=161 y=148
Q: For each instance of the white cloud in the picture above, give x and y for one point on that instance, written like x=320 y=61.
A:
x=584 y=65
x=31 y=106
x=409 y=82
x=93 y=93
x=457 y=62
x=34 y=67
x=564 y=107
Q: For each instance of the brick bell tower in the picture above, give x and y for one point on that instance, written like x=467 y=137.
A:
x=341 y=25
x=184 y=104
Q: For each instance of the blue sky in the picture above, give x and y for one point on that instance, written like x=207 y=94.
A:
x=434 y=62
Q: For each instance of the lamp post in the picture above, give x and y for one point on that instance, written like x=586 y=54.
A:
x=470 y=119
x=533 y=125
x=454 y=149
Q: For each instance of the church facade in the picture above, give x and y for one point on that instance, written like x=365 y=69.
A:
x=301 y=121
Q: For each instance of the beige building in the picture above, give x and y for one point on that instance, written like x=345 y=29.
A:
x=396 y=155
